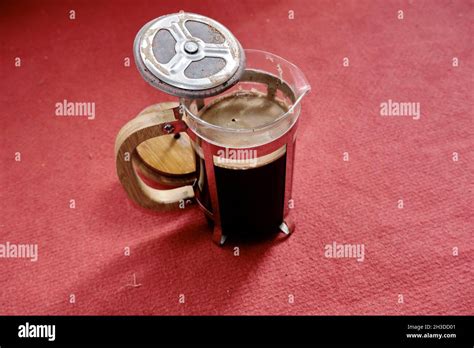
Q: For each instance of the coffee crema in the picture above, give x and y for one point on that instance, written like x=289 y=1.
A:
x=243 y=110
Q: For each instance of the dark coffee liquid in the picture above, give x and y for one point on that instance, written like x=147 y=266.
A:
x=251 y=200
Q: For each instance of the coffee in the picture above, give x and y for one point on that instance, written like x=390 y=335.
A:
x=251 y=200
x=250 y=190
x=245 y=110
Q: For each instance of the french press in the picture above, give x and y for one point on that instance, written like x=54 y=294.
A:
x=229 y=144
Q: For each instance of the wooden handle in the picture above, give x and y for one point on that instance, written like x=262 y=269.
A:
x=167 y=160
x=135 y=132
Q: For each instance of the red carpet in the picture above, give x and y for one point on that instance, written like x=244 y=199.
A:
x=408 y=251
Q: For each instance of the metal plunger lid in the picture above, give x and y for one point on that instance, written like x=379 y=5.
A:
x=188 y=55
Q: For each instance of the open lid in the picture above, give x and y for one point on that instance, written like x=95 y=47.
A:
x=188 y=55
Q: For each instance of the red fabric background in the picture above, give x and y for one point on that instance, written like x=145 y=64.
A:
x=408 y=251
